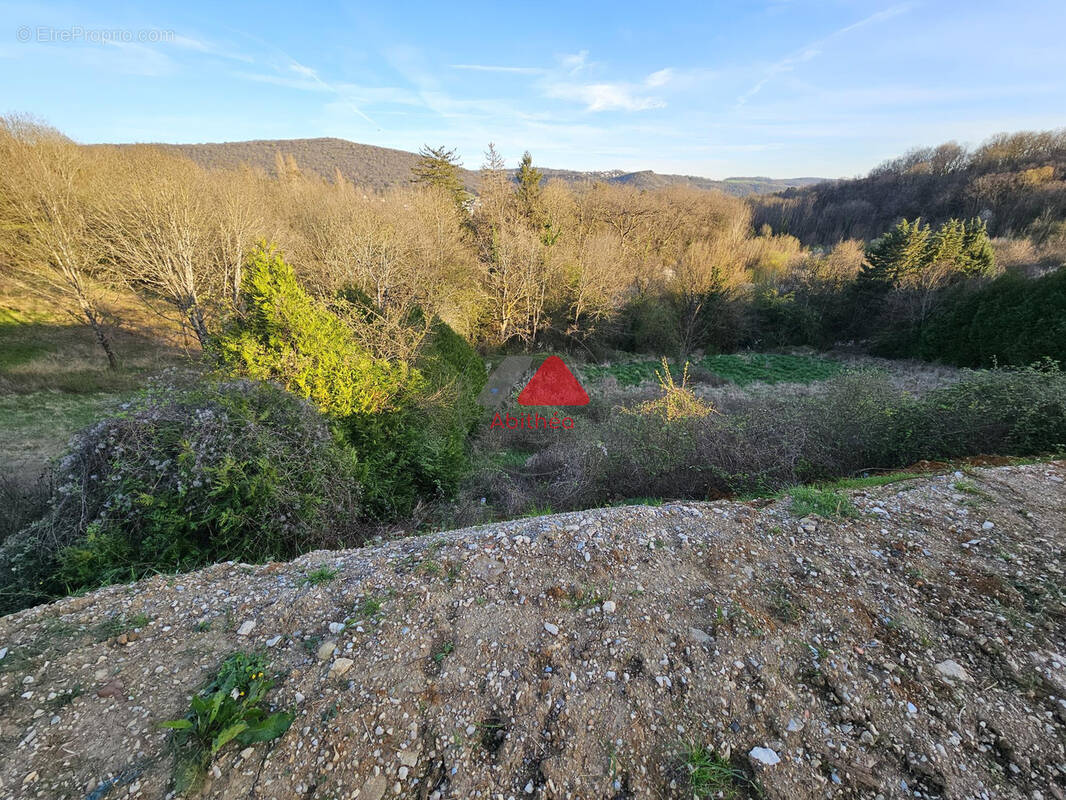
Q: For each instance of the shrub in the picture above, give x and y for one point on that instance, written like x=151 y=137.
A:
x=285 y=335
x=407 y=428
x=676 y=401
x=183 y=478
x=859 y=423
x=1012 y=320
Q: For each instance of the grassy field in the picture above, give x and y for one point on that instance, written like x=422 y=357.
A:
x=54 y=378
x=35 y=427
x=739 y=368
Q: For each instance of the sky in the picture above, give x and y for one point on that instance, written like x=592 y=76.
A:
x=782 y=88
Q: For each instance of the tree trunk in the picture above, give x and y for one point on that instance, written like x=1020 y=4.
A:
x=101 y=336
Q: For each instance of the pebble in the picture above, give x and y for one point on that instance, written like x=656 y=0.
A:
x=609 y=606
x=326 y=649
x=551 y=628
x=340 y=666
x=953 y=669
x=246 y=627
x=764 y=755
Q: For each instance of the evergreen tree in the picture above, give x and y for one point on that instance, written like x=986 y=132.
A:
x=529 y=178
x=901 y=252
x=439 y=167
x=977 y=257
x=912 y=252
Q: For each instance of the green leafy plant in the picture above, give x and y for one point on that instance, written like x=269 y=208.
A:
x=227 y=710
x=446 y=650
x=406 y=422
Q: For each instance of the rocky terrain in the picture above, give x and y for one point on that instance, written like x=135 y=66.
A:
x=915 y=649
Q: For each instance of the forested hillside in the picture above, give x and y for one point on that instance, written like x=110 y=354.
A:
x=382 y=167
x=1015 y=182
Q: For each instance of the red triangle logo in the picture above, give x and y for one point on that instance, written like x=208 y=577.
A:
x=553 y=385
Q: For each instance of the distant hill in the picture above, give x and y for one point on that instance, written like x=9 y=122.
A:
x=1016 y=182
x=382 y=167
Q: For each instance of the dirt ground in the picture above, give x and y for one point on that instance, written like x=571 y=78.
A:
x=915 y=650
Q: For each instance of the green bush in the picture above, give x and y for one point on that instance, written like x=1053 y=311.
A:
x=1012 y=320
x=284 y=335
x=180 y=479
x=407 y=424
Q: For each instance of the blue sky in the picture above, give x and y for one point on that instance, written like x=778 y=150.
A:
x=781 y=88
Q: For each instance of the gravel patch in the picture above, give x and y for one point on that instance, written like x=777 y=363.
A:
x=912 y=651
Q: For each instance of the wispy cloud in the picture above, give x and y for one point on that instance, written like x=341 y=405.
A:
x=604 y=96
x=576 y=62
x=558 y=83
x=815 y=49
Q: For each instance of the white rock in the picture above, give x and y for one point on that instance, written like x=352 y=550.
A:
x=764 y=755
x=953 y=669
x=551 y=628
x=340 y=666
x=336 y=627
x=246 y=627
x=247 y=752
x=326 y=650
x=609 y=606
x=988 y=525
x=273 y=640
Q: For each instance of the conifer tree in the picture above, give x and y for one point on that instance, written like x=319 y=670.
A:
x=439 y=167
x=529 y=178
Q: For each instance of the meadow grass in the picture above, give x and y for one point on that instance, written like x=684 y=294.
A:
x=741 y=369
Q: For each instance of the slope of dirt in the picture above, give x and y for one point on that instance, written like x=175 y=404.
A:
x=915 y=650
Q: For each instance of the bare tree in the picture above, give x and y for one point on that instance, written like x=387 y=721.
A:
x=46 y=184
x=156 y=223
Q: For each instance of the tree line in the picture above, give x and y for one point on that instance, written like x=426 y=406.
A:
x=1015 y=182
x=523 y=263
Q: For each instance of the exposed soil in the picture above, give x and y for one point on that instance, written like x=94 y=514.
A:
x=915 y=650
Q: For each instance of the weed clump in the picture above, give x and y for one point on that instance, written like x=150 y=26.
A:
x=807 y=500
x=710 y=775
x=228 y=709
